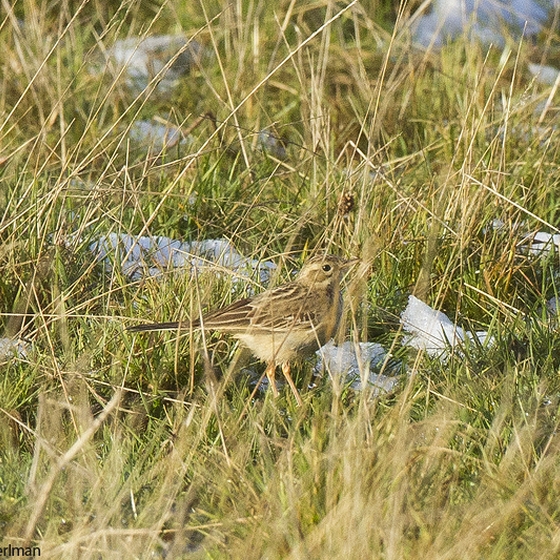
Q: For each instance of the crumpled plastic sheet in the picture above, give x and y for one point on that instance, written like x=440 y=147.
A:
x=157 y=137
x=272 y=144
x=485 y=20
x=433 y=331
x=356 y=365
x=143 y=256
x=544 y=73
x=12 y=348
x=142 y=59
x=539 y=243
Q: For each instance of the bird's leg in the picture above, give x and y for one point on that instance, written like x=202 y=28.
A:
x=271 y=374
x=286 y=370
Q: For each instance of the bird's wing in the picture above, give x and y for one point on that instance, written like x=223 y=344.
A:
x=284 y=308
x=236 y=316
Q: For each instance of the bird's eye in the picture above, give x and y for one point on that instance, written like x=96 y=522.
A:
x=327 y=268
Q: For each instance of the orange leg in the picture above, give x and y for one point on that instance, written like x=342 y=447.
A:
x=271 y=374
x=286 y=370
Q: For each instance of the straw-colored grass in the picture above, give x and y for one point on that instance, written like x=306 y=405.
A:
x=115 y=445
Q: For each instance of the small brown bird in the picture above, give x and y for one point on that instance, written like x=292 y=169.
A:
x=284 y=323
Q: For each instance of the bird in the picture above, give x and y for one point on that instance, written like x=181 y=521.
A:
x=284 y=323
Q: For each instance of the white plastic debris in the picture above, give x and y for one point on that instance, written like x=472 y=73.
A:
x=553 y=305
x=162 y=57
x=272 y=144
x=500 y=226
x=544 y=74
x=355 y=364
x=151 y=256
x=433 y=331
x=483 y=20
x=157 y=137
x=539 y=243
x=12 y=348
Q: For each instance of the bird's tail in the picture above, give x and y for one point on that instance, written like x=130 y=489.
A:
x=175 y=326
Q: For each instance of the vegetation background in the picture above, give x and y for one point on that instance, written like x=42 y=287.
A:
x=120 y=446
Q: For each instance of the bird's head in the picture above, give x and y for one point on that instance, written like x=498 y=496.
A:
x=324 y=270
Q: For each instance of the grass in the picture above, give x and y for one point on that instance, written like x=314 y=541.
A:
x=113 y=445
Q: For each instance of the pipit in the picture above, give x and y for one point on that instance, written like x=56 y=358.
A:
x=283 y=323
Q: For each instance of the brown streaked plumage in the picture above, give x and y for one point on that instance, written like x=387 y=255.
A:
x=282 y=323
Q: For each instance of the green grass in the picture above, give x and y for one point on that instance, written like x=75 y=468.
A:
x=128 y=446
